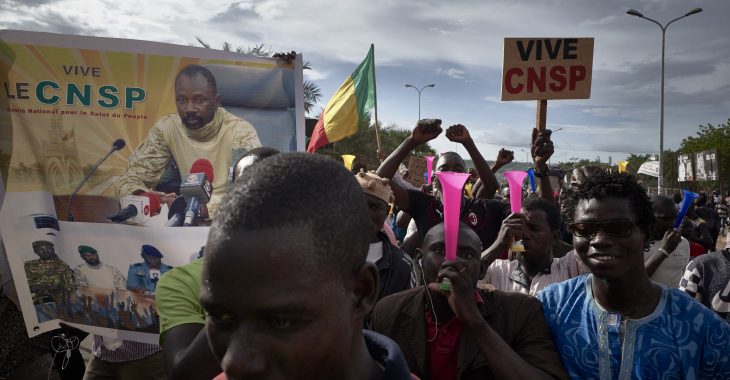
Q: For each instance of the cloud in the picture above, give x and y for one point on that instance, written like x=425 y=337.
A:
x=461 y=40
x=452 y=72
x=314 y=74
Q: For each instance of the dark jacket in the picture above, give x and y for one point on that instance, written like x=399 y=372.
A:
x=395 y=269
x=516 y=317
x=384 y=351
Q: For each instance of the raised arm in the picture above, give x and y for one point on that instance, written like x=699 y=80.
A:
x=542 y=149
x=425 y=130
x=669 y=243
x=512 y=229
x=504 y=157
x=459 y=134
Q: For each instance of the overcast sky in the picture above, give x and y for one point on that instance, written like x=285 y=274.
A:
x=458 y=46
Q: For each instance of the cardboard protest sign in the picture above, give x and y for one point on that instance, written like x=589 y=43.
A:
x=547 y=68
x=64 y=101
x=417 y=171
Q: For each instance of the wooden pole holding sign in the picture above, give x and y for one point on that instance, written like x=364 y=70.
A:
x=541 y=121
x=546 y=68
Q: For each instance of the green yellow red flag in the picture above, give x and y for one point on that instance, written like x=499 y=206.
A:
x=347 y=107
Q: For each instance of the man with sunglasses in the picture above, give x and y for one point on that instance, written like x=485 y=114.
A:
x=616 y=322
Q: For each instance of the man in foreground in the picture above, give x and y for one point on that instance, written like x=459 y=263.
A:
x=466 y=333
x=182 y=319
x=286 y=284
x=616 y=322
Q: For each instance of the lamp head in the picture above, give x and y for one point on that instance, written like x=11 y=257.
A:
x=696 y=10
x=410 y=85
x=634 y=13
x=431 y=85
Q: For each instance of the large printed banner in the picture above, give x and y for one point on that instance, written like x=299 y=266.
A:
x=65 y=103
x=706 y=165
x=685 y=168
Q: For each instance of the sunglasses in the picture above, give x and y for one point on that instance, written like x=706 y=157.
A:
x=617 y=228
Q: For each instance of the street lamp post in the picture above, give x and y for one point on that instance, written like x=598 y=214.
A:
x=419 y=95
x=660 y=179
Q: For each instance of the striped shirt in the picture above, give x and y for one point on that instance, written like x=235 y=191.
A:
x=106 y=349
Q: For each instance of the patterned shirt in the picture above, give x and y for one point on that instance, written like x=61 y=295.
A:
x=679 y=339
x=707 y=279
x=48 y=277
x=116 y=350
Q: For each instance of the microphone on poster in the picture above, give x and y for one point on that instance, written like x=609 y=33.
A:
x=137 y=209
x=196 y=189
x=118 y=144
x=176 y=214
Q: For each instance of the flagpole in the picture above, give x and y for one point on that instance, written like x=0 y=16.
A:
x=375 y=90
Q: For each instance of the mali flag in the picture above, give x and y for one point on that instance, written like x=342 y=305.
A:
x=347 y=107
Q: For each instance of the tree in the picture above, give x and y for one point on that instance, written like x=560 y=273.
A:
x=312 y=92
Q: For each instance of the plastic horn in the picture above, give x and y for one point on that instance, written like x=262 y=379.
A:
x=515 y=179
x=531 y=176
x=452 y=187
x=348 y=159
x=429 y=168
x=688 y=198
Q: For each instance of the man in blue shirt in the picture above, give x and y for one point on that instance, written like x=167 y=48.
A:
x=143 y=277
x=617 y=323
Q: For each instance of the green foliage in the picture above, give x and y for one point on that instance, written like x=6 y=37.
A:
x=364 y=146
x=575 y=162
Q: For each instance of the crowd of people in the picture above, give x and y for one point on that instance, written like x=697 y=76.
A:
x=299 y=279
x=302 y=277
